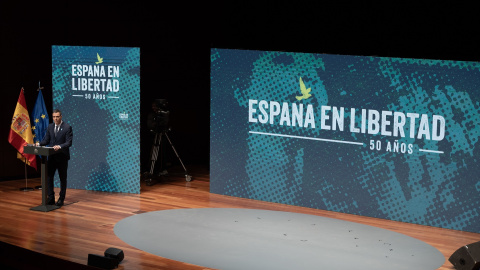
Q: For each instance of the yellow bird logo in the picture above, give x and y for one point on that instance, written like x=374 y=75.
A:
x=100 y=60
x=305 y=92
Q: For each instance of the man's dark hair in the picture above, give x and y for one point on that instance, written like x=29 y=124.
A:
x=57 y=111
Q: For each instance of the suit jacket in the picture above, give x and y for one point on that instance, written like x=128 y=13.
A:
x=64 y=138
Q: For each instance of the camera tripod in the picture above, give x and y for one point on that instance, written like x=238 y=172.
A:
x=154 y=156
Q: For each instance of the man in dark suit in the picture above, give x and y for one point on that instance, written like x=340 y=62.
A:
x=59 y=136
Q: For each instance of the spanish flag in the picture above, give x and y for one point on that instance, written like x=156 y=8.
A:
x=21 y=131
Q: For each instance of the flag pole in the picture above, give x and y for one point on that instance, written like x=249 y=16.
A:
x=38 y=90
x=26 y=188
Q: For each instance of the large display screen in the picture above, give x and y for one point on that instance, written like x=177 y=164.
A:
x=388 y=138
x=98 y=91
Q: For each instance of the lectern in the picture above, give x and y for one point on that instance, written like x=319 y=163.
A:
x=44 y=152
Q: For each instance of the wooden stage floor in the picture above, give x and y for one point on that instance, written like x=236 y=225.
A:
x=63 y=238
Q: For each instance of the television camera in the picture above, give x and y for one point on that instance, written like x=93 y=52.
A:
x=158 y=123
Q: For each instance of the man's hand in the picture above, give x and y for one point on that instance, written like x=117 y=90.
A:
x=56 y=147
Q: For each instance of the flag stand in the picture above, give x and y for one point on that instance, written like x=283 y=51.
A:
x=26 y=188
x=43 y=109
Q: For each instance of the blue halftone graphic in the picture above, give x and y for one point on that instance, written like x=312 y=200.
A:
x=405 y=175
x=105 y=153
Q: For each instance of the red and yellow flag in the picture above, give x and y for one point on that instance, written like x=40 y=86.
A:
x=21 y=131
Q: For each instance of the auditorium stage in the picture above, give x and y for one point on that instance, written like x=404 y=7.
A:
x=85 y=225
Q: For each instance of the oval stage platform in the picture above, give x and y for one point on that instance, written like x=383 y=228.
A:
x=233 y=238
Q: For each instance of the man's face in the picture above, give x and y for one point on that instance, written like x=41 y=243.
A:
x=57 y=118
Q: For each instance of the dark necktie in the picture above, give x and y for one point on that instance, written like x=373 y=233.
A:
x=56 y=130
